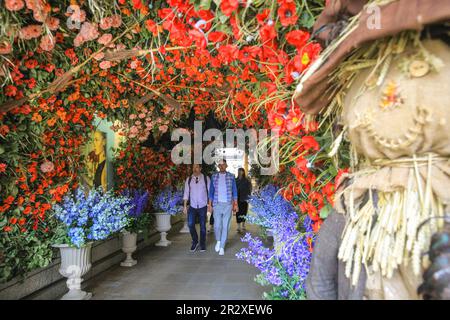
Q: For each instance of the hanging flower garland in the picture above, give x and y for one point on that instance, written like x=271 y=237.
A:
x=147 y=64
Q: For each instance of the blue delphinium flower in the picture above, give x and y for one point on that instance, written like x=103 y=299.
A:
x=93 y=215
x=76 y=235
x=286 y=266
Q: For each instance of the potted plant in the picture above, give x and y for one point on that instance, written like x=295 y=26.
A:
x=137 y=222
x=167 y=203
x=84 y=217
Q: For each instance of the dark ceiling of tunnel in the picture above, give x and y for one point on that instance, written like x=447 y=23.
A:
x=164 y=143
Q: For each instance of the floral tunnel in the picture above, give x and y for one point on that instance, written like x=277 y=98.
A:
x=148 y=67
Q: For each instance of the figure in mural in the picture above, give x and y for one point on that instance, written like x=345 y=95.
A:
x=96 y=161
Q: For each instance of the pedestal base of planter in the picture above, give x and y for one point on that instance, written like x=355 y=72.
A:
x=127 y=263
x=185 y=228
x=129 y=246
x=77 y=295
x=163 y=242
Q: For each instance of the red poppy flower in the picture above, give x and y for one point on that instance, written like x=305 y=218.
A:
x=246 y=54
x=151 y=26
x=328 y=191
x=166 y=13
x=216 y=36
x=137 y=4
x=267 y=33
x=280 y=107
x=10 y=91
x=277 y=122
x=306 y=55
x=235 y=28
x=309 y=142
x=302 y=164
x=316 y=196
x=287 y=13
x=288 y=194
x=31 y=63
x=316 y=226
x=297 y=38
x=207 y=16
x=199 y=38
x=270 y=87
x=294 y=121
x=2 y=167
x=229 y=6
x=261 y=17
x=228 y=53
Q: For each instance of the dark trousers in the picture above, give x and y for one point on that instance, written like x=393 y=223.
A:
x=243 y=208
x=193 y=213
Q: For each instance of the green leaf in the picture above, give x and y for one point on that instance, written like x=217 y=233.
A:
x=223 y=18
x=325 y=211
x=307 y=20
x=205 y=4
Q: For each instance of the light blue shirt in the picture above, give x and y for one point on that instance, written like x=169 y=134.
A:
x=222 y=188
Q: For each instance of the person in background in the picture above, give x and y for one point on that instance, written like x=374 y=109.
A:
x=211 y=223
x=196 y=192
x=244 y=189
x=223 y=198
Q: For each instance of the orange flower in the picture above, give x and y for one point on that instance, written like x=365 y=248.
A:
x=36 y=117
x=30 y=32
x=51 y=122
x=14 y=5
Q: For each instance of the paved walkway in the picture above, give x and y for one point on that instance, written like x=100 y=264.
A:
x=175 y=273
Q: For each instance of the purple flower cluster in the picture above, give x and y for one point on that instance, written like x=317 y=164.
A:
x=137 y=219
x=261 y=257
x=268 y=207
x=169 y=201
x=138 y=200
x=286 y=265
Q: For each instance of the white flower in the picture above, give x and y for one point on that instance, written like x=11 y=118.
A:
x=295 y=75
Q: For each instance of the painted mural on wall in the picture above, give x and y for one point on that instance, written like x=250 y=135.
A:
x=96 y=161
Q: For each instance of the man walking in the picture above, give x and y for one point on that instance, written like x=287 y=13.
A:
x=196 y=192
x=223 y=196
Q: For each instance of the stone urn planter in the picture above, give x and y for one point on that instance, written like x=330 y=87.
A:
x=129 y=247
x=163 y=226
x=185 y=228
x=75 y=263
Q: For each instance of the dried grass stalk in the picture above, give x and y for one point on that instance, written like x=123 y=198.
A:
x=11 y=104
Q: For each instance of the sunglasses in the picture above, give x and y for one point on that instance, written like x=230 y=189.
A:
x=196 y=179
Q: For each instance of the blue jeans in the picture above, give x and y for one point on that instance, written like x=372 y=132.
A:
x=192 y=213
x=222 y=221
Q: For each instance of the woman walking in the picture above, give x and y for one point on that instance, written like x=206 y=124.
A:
x=244 y=188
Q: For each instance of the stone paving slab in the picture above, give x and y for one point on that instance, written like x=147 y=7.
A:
x=175 y=273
